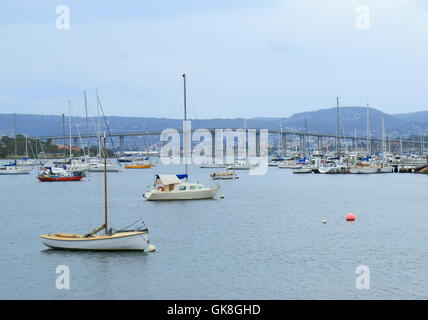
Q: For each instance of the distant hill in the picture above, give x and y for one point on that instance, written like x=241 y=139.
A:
x=415 y=117
x=318 y=121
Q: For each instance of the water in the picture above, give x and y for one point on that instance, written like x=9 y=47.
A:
x=265 y=240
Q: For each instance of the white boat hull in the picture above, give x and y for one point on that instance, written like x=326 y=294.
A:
x=212 y=165
x=303 y=170
x=241 y=167
x=127 y=241
x=110 y=168
x=20 y=170
x=224 y=177
x=364 y=170
x=206 y=193
x=290 y=166
x=330 y=170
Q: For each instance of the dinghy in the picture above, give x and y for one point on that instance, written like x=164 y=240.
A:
x=111 y=240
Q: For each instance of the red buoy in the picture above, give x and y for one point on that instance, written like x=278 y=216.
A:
x=350 y=217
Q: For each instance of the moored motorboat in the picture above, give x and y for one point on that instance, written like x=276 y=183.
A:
x=303 y=170
x=243 y=165
x=169 y=187
x=224 y=175
x=364 y=170
x=330 y=170
x=139 y=165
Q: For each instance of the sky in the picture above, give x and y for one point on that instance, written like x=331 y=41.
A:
x=252 y=58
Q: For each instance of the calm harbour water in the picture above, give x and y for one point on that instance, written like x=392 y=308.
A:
x=264 y=240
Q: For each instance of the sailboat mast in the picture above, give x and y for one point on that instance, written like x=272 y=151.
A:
x=306 y=140
x=63 y=136
x=383 y=138
x=69 y=126
x=105 y=185
x=337 y=126
x=185 y=127
x=14 y=129
x=26 y=147
x=282 y=139
x=98 y=126
x=87 y=121
x=368 y=131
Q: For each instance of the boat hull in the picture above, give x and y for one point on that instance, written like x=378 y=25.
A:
x=55 y=179
x=207 y=166
x=330 y=170
x=142 y=166
x=15 y=172
x=364 y=170
x=117 y=242
x=290 y=166
x=101 y=169
x=207 y=193
x=303 y=170
x=224 y=177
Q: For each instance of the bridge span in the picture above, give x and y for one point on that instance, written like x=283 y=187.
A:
x=317 y=140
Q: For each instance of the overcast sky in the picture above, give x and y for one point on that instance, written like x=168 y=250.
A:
x=243 y=58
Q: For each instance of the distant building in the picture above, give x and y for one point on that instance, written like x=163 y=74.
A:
x=61 y=146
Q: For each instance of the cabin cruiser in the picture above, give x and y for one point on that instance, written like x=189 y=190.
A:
x=169 y=187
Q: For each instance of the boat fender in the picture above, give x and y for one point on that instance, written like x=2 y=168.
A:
x=151 y=248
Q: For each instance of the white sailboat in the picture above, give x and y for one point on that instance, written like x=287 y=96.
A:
x=121 y=240
x=97 y=166
x=12 y=168
x=169 y=187
x=26 y=162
